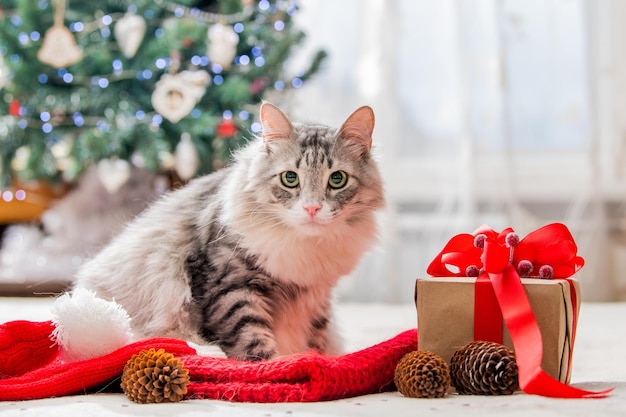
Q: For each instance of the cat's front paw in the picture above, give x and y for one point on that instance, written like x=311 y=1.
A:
x=259 y=355
x=257 y=350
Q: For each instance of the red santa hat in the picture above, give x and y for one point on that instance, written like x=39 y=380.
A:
x=89 y=343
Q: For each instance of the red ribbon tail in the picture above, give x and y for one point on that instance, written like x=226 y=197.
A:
x=527 y=340
x=543 y=384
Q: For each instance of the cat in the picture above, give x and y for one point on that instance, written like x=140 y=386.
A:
x=247 y=257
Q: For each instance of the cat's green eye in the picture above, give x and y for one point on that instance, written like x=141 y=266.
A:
x=337 y=179
x=289 y=179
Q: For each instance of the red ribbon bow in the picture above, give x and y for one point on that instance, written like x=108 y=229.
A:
x=498 y=260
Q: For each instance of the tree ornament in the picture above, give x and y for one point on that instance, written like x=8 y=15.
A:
x=175 y=95
x=61 y=151
x=58 y=48
x=197 y=81
x=484 y=368
x=258 y=85
x=14 y=107
x=422 y=374
x=129 y=32
x=71 y=169
x=113 y=173
x=5 y=73
x=21 y=158
x=187 y=43
x=154 y=376
x=226 y=129
x=187 y=160
x=167 y=161
x=222 y=45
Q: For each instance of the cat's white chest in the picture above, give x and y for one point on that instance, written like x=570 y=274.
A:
x=309 y=262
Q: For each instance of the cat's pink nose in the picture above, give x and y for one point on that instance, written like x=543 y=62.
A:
x=312 y=208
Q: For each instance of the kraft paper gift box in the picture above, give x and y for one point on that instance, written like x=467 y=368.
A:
x=445 y=315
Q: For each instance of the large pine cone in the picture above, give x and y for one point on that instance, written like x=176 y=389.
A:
x=422 y=374
x=484 y=368
x=154 y=376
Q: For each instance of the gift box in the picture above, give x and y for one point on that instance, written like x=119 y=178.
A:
x=445 y=318
x=493 y=286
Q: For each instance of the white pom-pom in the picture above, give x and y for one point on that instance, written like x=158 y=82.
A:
x=87 y=326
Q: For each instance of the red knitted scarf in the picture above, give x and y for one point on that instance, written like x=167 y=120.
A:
x=30 y=369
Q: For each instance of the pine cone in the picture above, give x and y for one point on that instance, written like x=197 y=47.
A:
x=484 y=368
x=154 y=376
x=422 y=374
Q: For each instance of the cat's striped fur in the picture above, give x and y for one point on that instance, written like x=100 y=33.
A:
x=243 y=258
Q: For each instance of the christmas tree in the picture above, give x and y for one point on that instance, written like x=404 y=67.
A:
x=165 y=85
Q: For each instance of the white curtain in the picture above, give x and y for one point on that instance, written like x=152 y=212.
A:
x=504 y=112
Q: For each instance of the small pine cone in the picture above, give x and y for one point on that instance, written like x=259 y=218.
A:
x=154 y=376
x=484 y=368
x=422 y=374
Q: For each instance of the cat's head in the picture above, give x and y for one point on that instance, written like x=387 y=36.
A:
x=312 y=177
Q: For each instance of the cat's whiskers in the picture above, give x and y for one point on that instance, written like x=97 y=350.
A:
x=220 y=234
x=236 y=250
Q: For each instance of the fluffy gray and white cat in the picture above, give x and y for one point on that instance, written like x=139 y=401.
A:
x=247 y=257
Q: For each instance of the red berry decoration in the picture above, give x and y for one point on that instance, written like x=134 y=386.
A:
x=14 y=107
x=226 y=129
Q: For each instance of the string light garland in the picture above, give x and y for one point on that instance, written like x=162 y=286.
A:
x=180 y=10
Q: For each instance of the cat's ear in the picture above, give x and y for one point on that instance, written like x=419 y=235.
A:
x=276 y=124
x=358 y=129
